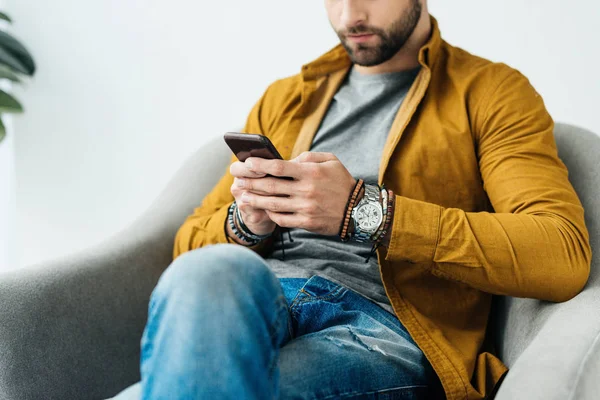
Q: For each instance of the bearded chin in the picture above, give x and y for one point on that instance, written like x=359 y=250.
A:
x=369 y=56
x=391 y=41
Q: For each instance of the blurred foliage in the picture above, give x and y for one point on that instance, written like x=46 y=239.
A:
x=15 y=62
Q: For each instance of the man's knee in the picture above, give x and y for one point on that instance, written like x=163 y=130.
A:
x=214 y=266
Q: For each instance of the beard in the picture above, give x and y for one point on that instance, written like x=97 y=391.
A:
x=391 y=39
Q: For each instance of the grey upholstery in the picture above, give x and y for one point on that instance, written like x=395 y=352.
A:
x=553 y=349
x=70 y=328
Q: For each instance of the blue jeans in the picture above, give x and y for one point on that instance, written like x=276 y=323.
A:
x=221 y=325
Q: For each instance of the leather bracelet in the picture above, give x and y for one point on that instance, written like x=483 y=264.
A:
x=245 y=230
x=378 y=243
x=350 y=205
x=384 y=207
x=234 y=227
x=388 y=222
x=384 y=201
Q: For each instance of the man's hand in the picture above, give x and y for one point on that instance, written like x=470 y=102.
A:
x=315 y=200
x=255 y=219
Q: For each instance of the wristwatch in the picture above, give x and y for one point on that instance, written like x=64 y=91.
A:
x=367 y=215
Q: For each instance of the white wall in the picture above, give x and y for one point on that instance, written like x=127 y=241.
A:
x=126 y=89
x=7 y=198
x=7 y=186
x=554 y=43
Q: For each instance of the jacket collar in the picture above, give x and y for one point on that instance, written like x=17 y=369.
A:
x=337 y=58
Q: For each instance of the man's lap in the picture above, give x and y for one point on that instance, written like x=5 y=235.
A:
x=344 y=345
x=339 y=344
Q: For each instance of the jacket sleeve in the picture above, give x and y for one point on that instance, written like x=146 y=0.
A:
x=206 y=225
x=535 y=244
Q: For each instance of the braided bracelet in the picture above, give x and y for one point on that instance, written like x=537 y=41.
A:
x=384 y=204
x=388 y=221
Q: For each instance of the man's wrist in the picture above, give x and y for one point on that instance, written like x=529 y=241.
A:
x=386 y=233
x=238 y=231
x=233 y=237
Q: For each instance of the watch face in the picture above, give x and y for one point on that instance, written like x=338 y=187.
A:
x=368 y=217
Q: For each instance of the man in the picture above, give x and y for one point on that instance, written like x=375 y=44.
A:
x=480 y=204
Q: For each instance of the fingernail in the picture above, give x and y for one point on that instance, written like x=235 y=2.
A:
x=244 y=197
x=241 y=183
x=249 y=164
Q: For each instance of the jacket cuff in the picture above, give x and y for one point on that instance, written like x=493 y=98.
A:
x=415 y=231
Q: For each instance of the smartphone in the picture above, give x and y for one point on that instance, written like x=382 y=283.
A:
x=246 y=145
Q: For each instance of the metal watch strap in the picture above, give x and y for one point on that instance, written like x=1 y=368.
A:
x=371 y=195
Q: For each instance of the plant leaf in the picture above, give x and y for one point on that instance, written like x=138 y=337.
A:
x=9 y=104
x=7 y=73
x=2 y=131
x=10 y=61
x=5 y=17
x=18 y=51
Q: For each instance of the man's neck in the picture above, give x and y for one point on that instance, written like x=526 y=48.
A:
x=408 y=56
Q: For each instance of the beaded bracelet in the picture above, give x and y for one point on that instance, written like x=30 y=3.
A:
x=348 y=204
x=348 y=213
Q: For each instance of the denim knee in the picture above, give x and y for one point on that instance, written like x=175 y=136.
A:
x=213 y=267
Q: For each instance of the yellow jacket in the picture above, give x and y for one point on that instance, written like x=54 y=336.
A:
x=484 y=205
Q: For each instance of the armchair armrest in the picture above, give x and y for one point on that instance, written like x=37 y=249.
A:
x=562 y=360
x=71 y=328
x=553 y=349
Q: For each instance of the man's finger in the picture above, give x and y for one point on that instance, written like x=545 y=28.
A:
x=271 y=186
x=281 y=168
x=270 y=203
x=284 y=220
x=240 y=170
x=315 y=157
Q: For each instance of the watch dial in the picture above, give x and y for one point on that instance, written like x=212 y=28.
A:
x=368 y=217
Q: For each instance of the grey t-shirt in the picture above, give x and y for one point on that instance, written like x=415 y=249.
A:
x=355 y=129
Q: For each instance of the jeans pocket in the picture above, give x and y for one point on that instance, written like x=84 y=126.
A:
x=318 y=288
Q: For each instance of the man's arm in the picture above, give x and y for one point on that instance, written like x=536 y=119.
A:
x=536 y=243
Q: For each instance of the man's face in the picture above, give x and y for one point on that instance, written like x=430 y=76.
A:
x=373 y=31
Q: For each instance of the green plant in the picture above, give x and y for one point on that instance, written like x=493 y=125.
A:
x=15 y=61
